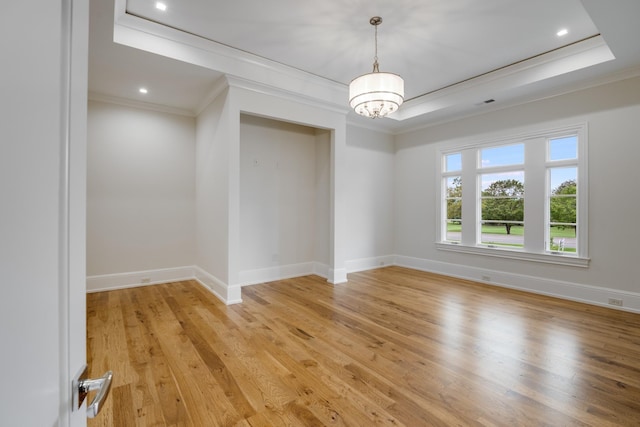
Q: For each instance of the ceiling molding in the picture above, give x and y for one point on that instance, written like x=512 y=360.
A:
x=276 y=79
x=242 y=83
x=559 y=71
x=570 y=58
x=490 y=108
x=216 y=89
x=93 y=96
x=228 y=81
x=152 y=37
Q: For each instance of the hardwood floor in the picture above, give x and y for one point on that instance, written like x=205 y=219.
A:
x=393 y=347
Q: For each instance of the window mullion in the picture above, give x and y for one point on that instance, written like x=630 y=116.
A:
x=469 y=197
x=535 y=209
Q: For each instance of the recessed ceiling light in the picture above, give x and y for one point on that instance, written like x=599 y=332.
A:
x=562 y=32
x=143 y=90
x=161 y=6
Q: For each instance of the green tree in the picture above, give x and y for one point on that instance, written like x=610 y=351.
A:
x=563 y=203
x=454 y=199
x=504 y=200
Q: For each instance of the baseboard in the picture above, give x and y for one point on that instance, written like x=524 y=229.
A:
x=281 y=272
x=371 y=263
x=225 y=293
x=110 y=282
x=588 y=294
x=337 y=275
x=232 y=294
x=321 y=269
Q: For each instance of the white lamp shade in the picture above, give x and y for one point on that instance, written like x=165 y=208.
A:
x=376 y=94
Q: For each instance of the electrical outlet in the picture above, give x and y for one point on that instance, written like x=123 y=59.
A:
x=615 y=301
x=486 y=278
x=145 y=280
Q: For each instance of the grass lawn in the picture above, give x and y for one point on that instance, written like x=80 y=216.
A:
x=516 y=230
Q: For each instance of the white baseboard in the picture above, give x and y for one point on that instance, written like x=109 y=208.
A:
x=372 y=263
x=320 y=269
x=593 y=295
x=337 y=275
x=110 y=282
x=225 y=293
x=281 y=272
x=232 y=294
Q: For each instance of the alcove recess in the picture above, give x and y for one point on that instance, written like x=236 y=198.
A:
x=284 y=199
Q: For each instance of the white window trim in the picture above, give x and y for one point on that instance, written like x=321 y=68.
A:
x=581 y=259
x=500 y=252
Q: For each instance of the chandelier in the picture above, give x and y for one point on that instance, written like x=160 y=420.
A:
x=376 y=94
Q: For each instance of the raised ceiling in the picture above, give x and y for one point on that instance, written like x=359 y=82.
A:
x=452 y=54
x=432 y=44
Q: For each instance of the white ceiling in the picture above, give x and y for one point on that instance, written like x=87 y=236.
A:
x=119 y=71
x=452 y=54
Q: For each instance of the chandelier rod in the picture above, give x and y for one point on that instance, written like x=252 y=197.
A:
x=375 y=21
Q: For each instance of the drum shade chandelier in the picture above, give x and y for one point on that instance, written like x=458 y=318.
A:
x=376 y=94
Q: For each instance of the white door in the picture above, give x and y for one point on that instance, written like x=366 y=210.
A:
x=43 y=78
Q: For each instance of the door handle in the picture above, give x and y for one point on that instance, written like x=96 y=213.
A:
x=82 y=386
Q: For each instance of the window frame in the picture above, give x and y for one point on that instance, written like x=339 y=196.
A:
x=537 y=165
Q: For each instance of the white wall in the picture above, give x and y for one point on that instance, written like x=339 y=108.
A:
x=612 y=113
x=216 y=147
x=140 y=190
x=370 y=158
x=279 y=186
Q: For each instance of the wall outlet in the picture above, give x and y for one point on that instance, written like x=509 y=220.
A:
x=486 y=278
x=145 y=280
x=615 y=301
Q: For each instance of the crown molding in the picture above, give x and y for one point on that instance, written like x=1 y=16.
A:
x=217 y=88
x=262 y=75
x=100 y=97
x=258 y=87
x=570 y=58
x=153 y=37
x=577 y=86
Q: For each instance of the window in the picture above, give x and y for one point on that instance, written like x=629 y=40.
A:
x=562 y=167
x=522 y=198
x=453 y=196
x=501 y=180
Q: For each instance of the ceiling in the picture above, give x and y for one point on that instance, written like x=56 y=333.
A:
x=453 y=55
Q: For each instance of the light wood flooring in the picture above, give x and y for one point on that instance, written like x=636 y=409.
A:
x=392 y=347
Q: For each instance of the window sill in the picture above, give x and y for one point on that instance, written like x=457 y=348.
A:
x=560 y=259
